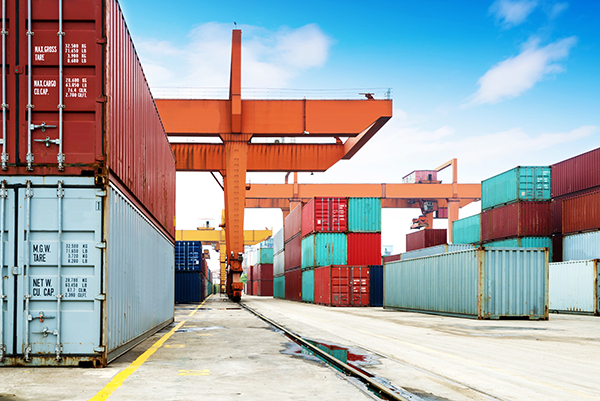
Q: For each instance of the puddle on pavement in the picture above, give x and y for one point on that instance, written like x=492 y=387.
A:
x=190 y=329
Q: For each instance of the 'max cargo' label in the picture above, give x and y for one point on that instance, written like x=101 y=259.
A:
x=74 y=287
x=45 y=253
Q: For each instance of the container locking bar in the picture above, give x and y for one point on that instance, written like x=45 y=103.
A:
x=41 y=316
x=4 y=157
x=60 y=158
x=45 y=331
x=28 y=196
x=3 y=196
x=60 y=193
x=30 y=106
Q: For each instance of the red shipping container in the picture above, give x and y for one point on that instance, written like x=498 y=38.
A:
x=557 y=208
x=249 y=287
x=557 y=248
x=293 y=253
x=576 y=174
x=264 y=271
x=105 y=124
x=265 y=288
x=581 y=213
x=342 y=285
x=391 y=258
x=255 y=288
x=293 y=285
x=364 y=248
x=293 y=223
x=522 y=219
x=425 y=238
x=325 y=215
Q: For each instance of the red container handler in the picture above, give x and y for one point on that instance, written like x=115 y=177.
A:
x=264 y=271
x=364 y=248
x=264 y=288
x=325 y=215
x=342 y=285
x=293 y=253
x=581 y=213
x=110 y=126
x=576 y=174
x=522 y=219
x=425 y=238
x=292 y=225
x=293 y=285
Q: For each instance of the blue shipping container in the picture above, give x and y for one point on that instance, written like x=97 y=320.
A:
x=308 y=286
x=188 y=256
x=523 y=183
x=364 y=215
x=376 y=285
x=279 y=287
x=467 y=230
x=324 y=249
x=584 y=246
x=188 y=286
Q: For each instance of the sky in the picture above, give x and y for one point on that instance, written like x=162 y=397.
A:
x=495 y=84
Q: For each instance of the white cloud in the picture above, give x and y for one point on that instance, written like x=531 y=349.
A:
x=511 y=13
x=270 y=59
x=556 y=9
x=515 y=75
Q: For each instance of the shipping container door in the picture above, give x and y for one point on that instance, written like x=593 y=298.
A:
x=59 y=228
x=359 y=286
x=339 y=286
x=7 y=253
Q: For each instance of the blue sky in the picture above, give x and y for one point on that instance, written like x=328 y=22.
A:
x=494 y=83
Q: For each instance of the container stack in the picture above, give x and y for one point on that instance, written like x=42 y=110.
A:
x=575 y=211
x=293 y=254
x=516 y=208
x=189 y=265
x=279 y=264
x=259 y=275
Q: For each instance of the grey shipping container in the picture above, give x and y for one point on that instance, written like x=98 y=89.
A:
x=279 y=264
x=574 y=287
x=86 y=275
x=482 y=283
x=584 y=246
x=435 y=250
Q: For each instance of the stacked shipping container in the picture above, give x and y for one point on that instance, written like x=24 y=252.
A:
x=259 y=272
x=83 y=138
x=189 y=274
x=279 y=264
x=293 y=254
x=425 y=238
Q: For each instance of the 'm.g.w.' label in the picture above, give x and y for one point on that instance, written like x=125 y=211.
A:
x=45 y=253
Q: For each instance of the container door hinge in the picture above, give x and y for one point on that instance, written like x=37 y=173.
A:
x=101 y=40
x=101 y=245
x=101 y=99
x=99 y=349
x=16 y=271
x=100 y=297
x=100 y=192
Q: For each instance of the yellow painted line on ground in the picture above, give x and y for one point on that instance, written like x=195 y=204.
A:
x=199 y=306
x=204 y=372
x=118 y=380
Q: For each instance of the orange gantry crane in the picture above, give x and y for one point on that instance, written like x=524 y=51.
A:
x=236 y=122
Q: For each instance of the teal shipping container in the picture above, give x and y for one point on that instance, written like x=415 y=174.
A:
x=523 y=183
x=324 y=249
x=264 y=256
x=308 y=286
x=484 y=283
x=279 y=287
x=364 y=215
x=467 y=230
x=524 y=242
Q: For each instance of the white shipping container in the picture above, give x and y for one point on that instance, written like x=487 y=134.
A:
x=278 y=241
x=85 y=273
x=574 y=287
x=279 y=264
x=585 y=246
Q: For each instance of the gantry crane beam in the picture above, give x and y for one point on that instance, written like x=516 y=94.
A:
x=236 y=122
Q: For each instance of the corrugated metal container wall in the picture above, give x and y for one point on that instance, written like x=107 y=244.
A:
x=364 y=215
x=556 y=210
x=325 y=215
x=342 y=285
x=581 y=213
x=188 y=286
x=264 y=288
x=264 y=271
x=293 y=253
x=364 y=248
x=485 y=283
x=293 y=285
x=467 y=230
x=324 y=249
x=278 y=241
x=435 y=250
x=279 y=287
x=523 y=183
x=574 y=287
x=279 y=264
x=523 y=219
x=293 y=223
x=576 y=174
x=308 y=286
x=376 y=273
x=425 y=238
x=188 y=255
x=585 y=246
x=264 y=256
x=524 y=242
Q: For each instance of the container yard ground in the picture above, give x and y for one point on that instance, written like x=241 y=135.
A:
x=222 y=352
x=446 y=356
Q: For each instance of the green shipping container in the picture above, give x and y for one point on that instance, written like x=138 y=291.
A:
x=308 y=286
x=524 y=242
x=264 y=256
x=523 y=183
x=467 y=230
x=279 y=287
x=324 y=249
x=364 y=215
